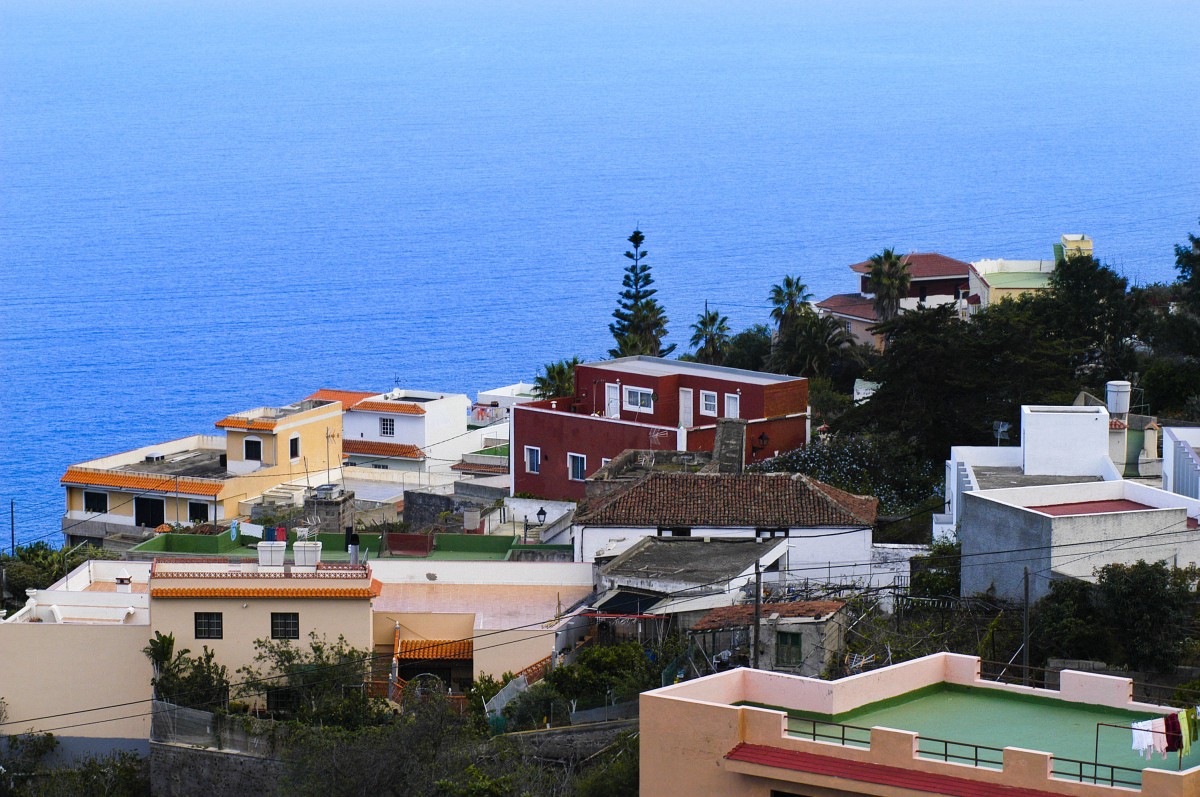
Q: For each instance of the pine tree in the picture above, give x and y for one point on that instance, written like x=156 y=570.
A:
x=640 y=322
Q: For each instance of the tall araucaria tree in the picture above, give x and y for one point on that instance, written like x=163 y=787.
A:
x=640 y=323
x=889 y=282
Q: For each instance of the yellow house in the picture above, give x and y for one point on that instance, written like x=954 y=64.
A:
x=116 y=500
x=226 y=606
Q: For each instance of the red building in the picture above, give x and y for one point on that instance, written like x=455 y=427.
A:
x=648 y=402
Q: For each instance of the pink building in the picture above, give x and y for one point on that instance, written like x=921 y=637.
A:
x=931 y=726
x=649 y=403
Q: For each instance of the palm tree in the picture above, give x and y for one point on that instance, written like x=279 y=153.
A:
x=812 y=346
x=788 y=300
x=710 y=337
x=556 y=380
x=889 y=282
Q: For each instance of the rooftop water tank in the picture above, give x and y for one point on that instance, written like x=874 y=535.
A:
x=1118 y=397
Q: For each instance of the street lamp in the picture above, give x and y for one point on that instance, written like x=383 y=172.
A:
x=541 y=516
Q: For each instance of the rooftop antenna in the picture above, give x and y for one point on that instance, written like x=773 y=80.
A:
x=1000 y=430
x=396 y=380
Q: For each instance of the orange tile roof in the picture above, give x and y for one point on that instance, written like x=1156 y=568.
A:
x=251 y=424
x=348 y=397
x=394 y=407
x=263 y=592
x=133 y=481
x=404 y=450
x=435 y=649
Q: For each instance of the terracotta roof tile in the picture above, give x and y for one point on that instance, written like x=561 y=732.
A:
x=133 y=481
x=348 y=397
x=1116 y=424
x=263 y=592
x=435 y=649
x=394 y=407
x=374 y=448
x=924 y=265
x=742 y=615
x=250 y=424
x=469 y=467
x=753 y=500
x=850 y=304
x=880 y=774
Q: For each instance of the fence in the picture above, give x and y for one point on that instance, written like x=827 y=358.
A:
x=241 y=733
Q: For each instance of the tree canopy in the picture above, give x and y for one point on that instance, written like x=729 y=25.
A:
x=889 y=281
x=710 y=337
x=557 y=379
x=640 y=323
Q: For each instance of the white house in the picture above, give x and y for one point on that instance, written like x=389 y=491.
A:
x=1181 y=461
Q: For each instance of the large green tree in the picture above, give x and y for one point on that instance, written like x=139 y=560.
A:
x=749 y=348
x=888 y=281
x=640 y=323
x=710 y=337
x=557 y=379
x=811 y=346
x=1089 y=308
x=1187 y=261
x=789 y=299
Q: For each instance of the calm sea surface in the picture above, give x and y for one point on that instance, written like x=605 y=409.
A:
x=211 y=206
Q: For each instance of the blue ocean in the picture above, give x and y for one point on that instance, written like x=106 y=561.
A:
x=207 y=206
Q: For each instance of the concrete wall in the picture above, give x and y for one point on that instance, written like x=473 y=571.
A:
x=178 y=770
x=1064 y=441
x=1115 y=537
x=1181 y=464
x=50 y=668
x=988 y=526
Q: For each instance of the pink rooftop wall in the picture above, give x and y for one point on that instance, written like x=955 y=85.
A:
x=688 y=729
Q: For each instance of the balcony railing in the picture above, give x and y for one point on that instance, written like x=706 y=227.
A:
x=1092 y=772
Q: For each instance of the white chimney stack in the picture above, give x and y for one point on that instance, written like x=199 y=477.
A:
x=124 y=581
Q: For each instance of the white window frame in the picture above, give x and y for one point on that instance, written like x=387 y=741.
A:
x=262 y=450
x=705 y=397
x=737 y=405
x=528 y=461
x=582 y=468
x=387 y=427
x=604 y=461
x=632 y=406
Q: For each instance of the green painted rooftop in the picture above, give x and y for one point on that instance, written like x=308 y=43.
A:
x=1027 y=280
x=992 y=718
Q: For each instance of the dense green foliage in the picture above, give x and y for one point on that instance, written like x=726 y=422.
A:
x=889 y=281
x=185 y=680
x=939 y=573
x=885 y=466
x=710 y=337
x=1135 y=615
x=749 y=348
x=616 y=774
x=639 y=322
x=321 y=683
x=25 y=771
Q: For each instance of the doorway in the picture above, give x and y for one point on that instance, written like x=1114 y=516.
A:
x=685 y=407
x=149 y=512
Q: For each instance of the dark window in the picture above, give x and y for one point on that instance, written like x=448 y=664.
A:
x=770 y=534
x=283 y=699
x=285 y=625
x=197 y=512
x=95 y=502
x=788 y=650
x=149 y=512
x=675 y=532
x=387 y=427
x=923 y=293
x=209 y=625
x=294 y=448
x=253 y=449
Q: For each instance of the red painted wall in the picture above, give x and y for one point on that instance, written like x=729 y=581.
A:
x=783 y=434
x=560 y=433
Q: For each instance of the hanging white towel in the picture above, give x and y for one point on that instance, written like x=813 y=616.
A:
x=1143 y=742
x=1158 y=730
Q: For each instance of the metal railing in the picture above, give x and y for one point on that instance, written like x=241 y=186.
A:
x=820 y=731
x=1091 y=772
x=961 y=752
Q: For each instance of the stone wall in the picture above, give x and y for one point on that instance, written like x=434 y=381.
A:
x=178 y=770
x=335 y=514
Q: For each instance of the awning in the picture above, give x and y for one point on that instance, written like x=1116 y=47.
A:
x=435 y=649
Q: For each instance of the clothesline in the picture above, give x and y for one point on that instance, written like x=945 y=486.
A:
x=1167 y=734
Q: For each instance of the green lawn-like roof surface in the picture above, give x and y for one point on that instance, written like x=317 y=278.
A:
x=1029 y=280
x=993 y=719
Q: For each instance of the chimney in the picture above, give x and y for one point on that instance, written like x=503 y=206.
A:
x=729 y=445
x=124 y=581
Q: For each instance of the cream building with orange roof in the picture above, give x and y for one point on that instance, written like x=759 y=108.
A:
x=117 y=500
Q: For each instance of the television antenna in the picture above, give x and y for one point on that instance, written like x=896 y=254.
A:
x=1000 y=430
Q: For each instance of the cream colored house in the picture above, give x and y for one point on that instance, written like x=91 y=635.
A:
x=117 y=500
x=226 y=606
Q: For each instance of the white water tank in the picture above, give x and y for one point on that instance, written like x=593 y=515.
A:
x=1118 y=397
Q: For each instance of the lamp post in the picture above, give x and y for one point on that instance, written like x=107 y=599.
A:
x=525 y=536
x=541 y=516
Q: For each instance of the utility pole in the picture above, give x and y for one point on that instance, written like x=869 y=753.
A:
x=1025 y=634
x=12 y=525
x=757 y=613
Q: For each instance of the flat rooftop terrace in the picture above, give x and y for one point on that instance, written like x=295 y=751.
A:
x=201 y=463
x=1092 y=507
x=997 y=478
x=952 y=719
